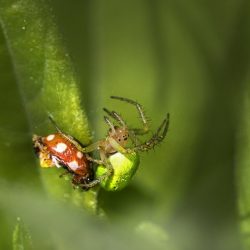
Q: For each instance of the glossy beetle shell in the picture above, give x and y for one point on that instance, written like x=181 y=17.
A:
x=57 y=150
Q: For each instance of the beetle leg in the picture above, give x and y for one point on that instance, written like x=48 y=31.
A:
x=63 y=174
x=67 y=136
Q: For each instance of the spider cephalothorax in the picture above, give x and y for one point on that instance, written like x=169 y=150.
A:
x=120 y=134
x=115 y=135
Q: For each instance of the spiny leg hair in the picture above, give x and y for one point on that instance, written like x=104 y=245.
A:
x=116 y=116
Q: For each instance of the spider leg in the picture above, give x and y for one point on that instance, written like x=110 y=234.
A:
x=67 y=136
x=119 y=119
x=165 y=127
x=99 y=162
x=55 y=124
x=155 y=139
x=109 y=172
x=90 y=148
x=115 y=116
x=106 y=119
x=133 y=137
x=141 y=112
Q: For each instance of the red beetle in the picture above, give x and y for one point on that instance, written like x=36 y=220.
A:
x=61 y=151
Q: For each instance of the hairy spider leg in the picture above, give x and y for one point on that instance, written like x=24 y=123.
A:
x=106 y=119
x=165 y=128
x=87 y=149
x=137 y=131
x=109 y=172
x=103 y=161
x=120 y=120
x=116 y=116
x=155 y=139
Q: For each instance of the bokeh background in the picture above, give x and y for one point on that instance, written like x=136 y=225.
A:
x=188 y=58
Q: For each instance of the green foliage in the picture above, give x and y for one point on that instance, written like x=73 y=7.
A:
x=42 y=67
x=243 y=170
x=58 y=225
x=21 y=237
x=188 y=58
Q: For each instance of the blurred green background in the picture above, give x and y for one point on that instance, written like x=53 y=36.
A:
x=188 y=58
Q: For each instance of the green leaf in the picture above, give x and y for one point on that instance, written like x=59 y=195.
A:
x=46 y=80
x=243 y=169
x=56 y=226
x=21 y=237
x=188 y=58
x=152 y=232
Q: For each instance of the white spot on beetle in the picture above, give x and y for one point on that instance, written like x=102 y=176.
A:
x=73 y=165
x=60 y=147
x=50 y=137
x=55 y=161
x=79 y=155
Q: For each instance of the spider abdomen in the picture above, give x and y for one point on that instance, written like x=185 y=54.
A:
x=124 y=168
